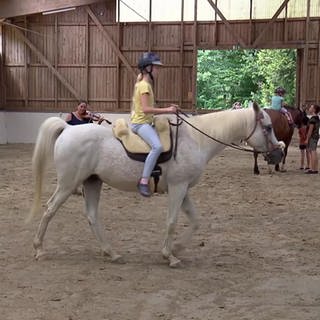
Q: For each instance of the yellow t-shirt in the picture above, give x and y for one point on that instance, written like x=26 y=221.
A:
x=137 y=115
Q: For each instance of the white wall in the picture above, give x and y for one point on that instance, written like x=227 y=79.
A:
x=22 y=127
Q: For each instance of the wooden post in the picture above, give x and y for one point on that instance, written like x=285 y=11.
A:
x=195 y=57
x=181 y=53
x=304 y=79
x=2 y=95
x=216 y=26
x=318 y=69
x=150 y=38
x=56 y=84
x=251 y=24
x=26 y=83
x=87 y=53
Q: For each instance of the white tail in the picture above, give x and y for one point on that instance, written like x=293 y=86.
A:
x=43 y=151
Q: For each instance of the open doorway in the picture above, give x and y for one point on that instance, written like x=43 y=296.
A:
x=227 y=76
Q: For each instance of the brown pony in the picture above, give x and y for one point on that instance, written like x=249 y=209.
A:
x=283 y=131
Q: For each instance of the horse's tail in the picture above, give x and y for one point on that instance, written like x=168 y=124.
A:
x=43 y=151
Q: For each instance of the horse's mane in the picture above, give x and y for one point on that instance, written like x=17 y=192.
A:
x=220 y=125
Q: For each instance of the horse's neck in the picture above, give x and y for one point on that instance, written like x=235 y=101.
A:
x=225 y=126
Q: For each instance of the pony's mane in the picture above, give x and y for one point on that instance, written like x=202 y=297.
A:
x=221 y=125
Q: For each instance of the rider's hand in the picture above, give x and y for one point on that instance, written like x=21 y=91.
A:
x=173 y=108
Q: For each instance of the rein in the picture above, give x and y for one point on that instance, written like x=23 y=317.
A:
x=231 y=145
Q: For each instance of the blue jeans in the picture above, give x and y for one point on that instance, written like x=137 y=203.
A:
x=150 y=136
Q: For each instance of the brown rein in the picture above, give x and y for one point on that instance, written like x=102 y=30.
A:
x=231 y=145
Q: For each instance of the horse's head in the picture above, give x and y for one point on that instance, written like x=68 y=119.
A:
x=262 y=137
x=299 y=116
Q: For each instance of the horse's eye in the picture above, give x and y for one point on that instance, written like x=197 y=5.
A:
x=268 y=128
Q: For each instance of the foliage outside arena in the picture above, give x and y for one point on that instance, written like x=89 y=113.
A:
x=225 y=77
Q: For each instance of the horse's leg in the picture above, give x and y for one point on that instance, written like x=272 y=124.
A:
x=92 y=188
x=57 y=199
x=176 y=195
x=189 y=210
x=255 y=168
x=285 y=151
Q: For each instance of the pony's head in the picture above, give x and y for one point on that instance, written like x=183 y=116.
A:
x=261 y=136
x=299 y=116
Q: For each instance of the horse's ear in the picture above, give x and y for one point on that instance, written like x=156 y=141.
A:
x=256 y=107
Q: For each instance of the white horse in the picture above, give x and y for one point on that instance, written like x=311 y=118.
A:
x=90 y=155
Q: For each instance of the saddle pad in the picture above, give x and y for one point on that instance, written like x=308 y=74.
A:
x=133 y=143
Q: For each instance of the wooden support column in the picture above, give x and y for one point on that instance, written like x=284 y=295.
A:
x=87 y=57
x=110 y=41
x=150 y=38
x=215 y=34
x=195 y=56
x=304 y=78
x=251 y=24
x=118 y=74
x=318 y=69
x=285 y=27
x=181 y=54
x=270 y=23
x=56 y=84
x=237 y=38
x=25 y=67
x=2 y=91
x=48 y=64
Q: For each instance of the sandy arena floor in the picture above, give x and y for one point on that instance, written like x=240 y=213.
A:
x=256 y=255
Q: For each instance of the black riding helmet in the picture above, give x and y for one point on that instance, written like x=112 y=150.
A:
x=280 y=90
x=147 y=59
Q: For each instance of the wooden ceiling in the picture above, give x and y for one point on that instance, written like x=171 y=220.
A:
x=15 y=8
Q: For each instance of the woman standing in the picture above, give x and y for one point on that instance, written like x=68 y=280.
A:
x=143 y=110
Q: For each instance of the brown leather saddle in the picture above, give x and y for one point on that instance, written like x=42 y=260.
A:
x=135 y=147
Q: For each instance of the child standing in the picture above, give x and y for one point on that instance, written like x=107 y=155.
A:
x=304 y=152
x=313 y=137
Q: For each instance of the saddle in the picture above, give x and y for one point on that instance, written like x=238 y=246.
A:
x=135 y=147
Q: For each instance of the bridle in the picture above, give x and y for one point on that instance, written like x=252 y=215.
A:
x=266 y=129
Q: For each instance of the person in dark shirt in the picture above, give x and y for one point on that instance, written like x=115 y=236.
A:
x=82 y=116
x=313 y=137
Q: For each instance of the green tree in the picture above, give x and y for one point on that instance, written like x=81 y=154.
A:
x=276 y=68
x=242 y=75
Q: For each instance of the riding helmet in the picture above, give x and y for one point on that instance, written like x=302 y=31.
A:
x=147 y=59
x=280 y=90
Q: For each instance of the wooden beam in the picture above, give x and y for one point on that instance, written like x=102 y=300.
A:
x=234 y=34
x=267 y=27
x=14 y=8
x=110 y=41
x=48 y=64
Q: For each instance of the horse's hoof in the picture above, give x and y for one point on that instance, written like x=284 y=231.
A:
x=118 y=259
x=174 y=262
x=39 y=254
